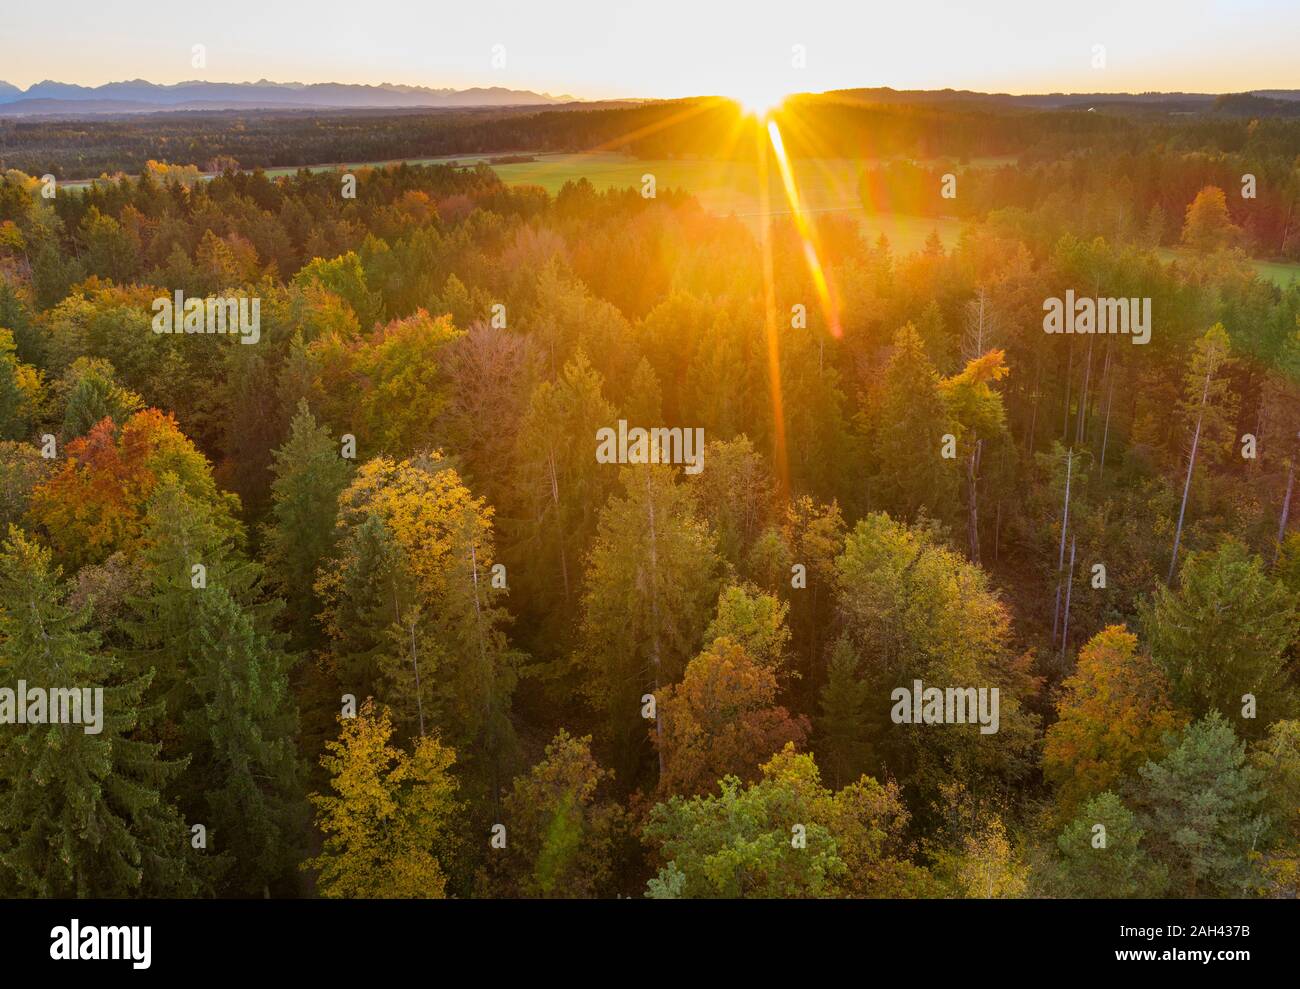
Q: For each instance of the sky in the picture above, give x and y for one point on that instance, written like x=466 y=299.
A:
x=667 y=48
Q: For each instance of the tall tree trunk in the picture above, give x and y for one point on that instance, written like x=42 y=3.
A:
x=1069 y=372
x=1065 y=524
x=1033 y=412
x=415 y=658
x=1187 y=485
x=972 y=516
x=1069 y=590
x=1286 y=510
x=1105 y=435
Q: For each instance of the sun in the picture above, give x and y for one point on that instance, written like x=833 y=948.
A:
x=760 y=100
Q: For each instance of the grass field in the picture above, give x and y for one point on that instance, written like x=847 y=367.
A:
x=1280 y=273
x=733 y=189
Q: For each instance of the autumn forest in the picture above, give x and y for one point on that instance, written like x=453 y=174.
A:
x=504 y=541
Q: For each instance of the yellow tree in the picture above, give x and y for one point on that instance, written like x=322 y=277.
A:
x=1208 y=225
x=1113 y=713
x=387 y=826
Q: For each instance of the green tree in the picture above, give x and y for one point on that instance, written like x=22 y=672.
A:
x=244 y=778
x=91 y=393
x=920 y=611
x=756 y=621
x=1200 y=809
x=651 y=583
x=1110 y=862
x=907 y=429
x=309 y=475
x=82 y=814
x=843 y=739
x=1277 y=760
x=785 y=835
x=1223 y=634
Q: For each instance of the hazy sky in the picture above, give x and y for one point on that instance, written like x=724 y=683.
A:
x=666 y=47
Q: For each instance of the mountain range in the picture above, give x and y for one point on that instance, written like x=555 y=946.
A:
x=49 y=98
x=140 y=96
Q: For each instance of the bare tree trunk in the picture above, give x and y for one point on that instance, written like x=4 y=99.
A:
x=1033 y=413
x=1286 y=511
x=1065 y=524
x=1187 y=485
x=1069 y=589
x=1069 y=371
x=972 y=518
x=1105 y=435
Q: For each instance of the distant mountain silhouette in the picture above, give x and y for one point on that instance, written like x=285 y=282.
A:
x=140 y=96
x=1282 y=101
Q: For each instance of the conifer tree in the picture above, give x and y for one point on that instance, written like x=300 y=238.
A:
x=844 y=744
x=244 y=778
x=309 y=474
x=81 y=814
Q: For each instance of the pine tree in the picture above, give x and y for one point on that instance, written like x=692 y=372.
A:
x=182 y=534
x=81 y=814
x=652 y=581
x=1199 y=807
x=908 y=428
x=844 y=734
x=1224 y=634
x=1110 y=862
x=559 y=485
x=309 y=474
x=243 y=781
x=92 y=393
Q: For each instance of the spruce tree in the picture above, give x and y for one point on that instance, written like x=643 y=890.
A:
x=81 y=814
x=244 y=780
x=309 y=474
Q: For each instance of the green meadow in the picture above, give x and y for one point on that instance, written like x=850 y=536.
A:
x=725 y=188
x=1280 y=273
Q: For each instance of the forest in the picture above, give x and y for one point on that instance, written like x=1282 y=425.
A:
x=373 y=617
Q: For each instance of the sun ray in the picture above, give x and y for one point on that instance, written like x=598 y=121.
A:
x=807 y=234
x=780 y=456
